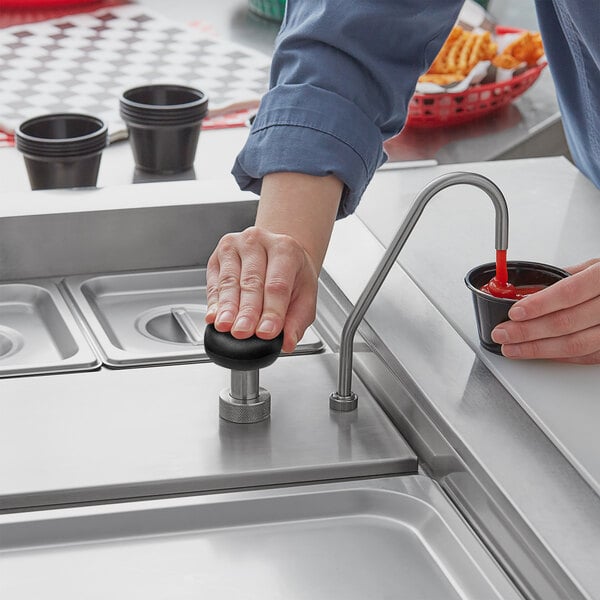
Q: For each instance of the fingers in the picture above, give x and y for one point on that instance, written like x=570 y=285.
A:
x=286 y=260
x=575 y=345
x=223 y=283
x=212 y=287
x=259 y=283
x=302 y=308
x=566 y=293
x=590 y=359
x=560 y=323
x=251 y=286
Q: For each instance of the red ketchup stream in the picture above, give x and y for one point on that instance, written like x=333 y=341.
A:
x=499 y=287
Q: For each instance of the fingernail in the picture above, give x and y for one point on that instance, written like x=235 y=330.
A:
x=500 y=336
x=243 y=324
x=211 y=310
x=517 y=313
x=512 y=350
x=267 y=326
x=225 y=317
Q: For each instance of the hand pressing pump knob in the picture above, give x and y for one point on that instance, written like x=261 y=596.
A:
x=244 y=401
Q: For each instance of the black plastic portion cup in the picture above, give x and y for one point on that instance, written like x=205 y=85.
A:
x=490 y=310
x=62 y=150
x=164 y=123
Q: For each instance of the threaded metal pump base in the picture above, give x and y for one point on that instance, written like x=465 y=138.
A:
x=245 y=411
x=343 y=403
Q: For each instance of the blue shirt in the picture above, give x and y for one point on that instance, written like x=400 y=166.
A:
x=344 y=71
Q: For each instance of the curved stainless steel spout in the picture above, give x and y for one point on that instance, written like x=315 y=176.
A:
x=344 y=399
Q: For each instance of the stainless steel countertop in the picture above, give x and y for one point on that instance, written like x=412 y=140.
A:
x=351 y=540
x=555 y=219
x=155 y=430
x=122 y=434
x=526 y=453
x=469 y=433
x=526 y=430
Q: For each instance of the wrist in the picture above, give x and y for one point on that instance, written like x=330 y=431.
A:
x=303 y=207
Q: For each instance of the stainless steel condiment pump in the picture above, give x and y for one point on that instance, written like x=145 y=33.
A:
x=344 y=399
x=245 y=401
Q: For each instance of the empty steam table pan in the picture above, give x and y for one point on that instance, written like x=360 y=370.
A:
x=387 y=538
x=38 y=333
x=151 y=317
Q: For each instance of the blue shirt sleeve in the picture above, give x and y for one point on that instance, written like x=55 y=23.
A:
x=570 y=32
x=342 y=75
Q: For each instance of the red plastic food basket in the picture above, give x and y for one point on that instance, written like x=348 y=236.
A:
x=440 y=110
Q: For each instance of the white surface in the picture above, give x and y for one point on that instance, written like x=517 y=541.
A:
x=215 y=156
x=119 y=197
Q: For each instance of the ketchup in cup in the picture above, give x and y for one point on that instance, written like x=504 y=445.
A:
x=493 y=295
x=499 y=286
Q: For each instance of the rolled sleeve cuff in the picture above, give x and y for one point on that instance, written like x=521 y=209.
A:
x=306 y=129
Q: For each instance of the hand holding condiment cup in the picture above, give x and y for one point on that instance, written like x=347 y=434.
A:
x=490 y=310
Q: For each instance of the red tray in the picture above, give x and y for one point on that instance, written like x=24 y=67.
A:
x=27 y=4
x=440 y=110
x=17 y=12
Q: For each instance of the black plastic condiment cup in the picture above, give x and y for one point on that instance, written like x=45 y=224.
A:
x=490 y=310
x=62 y=150
x=164 y=123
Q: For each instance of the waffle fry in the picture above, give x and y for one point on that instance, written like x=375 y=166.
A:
x=453 y=62
x=439 y=64
x=466 y=52
x=463 y=50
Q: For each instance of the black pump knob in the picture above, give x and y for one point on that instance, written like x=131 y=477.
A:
x=245 y=401
x=240 y=355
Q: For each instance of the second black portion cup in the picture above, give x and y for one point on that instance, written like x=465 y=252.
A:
x=490 y=310
x=62 y=150
x=164 y=123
